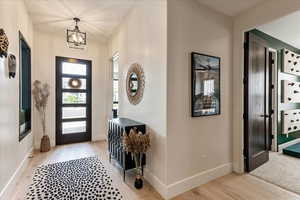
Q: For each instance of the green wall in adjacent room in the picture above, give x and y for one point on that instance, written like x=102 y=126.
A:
x=278 y=45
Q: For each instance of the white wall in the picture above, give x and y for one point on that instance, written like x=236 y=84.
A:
x=199 y=149
x=13 y=17
x=142 y=38
x=46 y=47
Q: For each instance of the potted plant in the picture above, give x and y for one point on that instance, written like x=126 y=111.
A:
x=40 y=94
x=137 y=144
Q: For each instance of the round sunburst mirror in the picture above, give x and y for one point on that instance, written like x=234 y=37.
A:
x=135 y=83
x=75 y=83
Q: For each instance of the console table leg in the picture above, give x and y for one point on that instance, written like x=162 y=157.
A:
x=124 y=175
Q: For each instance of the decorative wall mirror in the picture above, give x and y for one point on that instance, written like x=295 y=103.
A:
x=135 y=83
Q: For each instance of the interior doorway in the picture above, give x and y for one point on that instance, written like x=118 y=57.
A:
x=73 y=100
x=278 y=161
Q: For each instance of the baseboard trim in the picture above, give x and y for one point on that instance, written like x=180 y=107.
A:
x=99 y=138
x=179 y=187
x=282 y=146
x=7 y=191
x=160 y=187
x=196 y=180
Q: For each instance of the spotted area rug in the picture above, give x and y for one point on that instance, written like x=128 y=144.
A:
x=84 y=178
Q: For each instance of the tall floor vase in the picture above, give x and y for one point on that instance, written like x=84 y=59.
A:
x=45 y=144
x=138 y=184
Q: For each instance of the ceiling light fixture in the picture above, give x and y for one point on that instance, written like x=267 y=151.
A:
x=75 y=38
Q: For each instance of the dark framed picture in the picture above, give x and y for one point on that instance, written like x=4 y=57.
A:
x=206 y=98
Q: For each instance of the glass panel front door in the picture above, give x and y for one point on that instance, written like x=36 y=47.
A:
x=73 y=100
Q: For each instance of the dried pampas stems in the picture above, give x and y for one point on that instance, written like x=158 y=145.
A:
x=40 y=95
x=136 y=142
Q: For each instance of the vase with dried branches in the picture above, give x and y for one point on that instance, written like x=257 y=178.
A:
x=137 y=144
x=40 y=94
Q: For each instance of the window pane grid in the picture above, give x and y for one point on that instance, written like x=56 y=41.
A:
x=73 y=68
x=115 y=78
x=115 y=83
x=73 y=98
x=73 y=112
x=73 y=127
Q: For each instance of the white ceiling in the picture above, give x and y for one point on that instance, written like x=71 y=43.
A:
x=99 y=18
x=286 y=29
x=230 y=7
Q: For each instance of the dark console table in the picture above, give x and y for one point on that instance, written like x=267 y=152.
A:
x=115 y=131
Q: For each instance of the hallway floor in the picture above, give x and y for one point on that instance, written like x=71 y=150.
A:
x=230 y=187
x=81 y=150
x=281 y=170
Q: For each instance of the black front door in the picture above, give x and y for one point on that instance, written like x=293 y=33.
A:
x=257 y=104
x=73 y=100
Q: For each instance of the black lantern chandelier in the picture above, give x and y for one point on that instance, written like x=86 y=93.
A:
x=75 y=38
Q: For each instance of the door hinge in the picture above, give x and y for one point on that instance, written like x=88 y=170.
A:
x=273 y=61
x=245 y=45
x=272 y=86
x=244 y=81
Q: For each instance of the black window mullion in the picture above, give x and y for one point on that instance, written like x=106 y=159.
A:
x=73 y=76
x=75 y=90
x=74 y=105
x=74 y=119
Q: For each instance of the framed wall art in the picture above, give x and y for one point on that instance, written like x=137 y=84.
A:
x=206 y=98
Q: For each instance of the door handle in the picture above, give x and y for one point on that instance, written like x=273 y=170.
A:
x=266 y=116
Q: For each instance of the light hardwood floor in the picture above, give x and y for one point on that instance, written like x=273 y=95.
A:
x=238 y=187
x=230 y=187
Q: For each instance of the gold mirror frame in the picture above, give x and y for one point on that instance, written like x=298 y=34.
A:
x=138 y=70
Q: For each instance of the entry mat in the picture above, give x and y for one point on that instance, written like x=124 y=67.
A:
x=293 y=150
x=281 y=170
x=84 y=178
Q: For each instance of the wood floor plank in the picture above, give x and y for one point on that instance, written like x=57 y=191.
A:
x=238 y=187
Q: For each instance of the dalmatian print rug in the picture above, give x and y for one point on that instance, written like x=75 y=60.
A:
x=84 y=178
